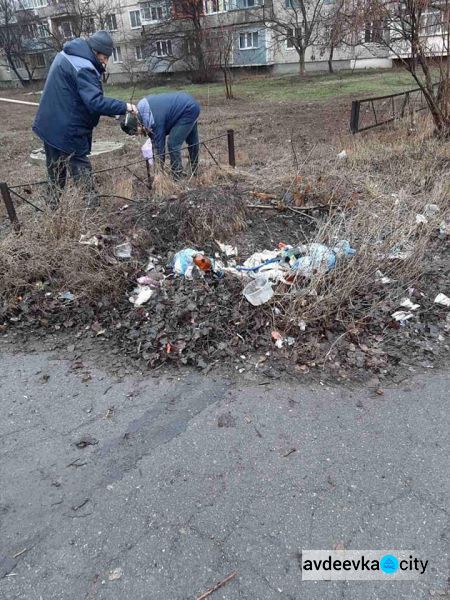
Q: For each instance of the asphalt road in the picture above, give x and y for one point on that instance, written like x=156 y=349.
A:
x=187 y=480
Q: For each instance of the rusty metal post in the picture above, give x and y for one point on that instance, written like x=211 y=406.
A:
x=149 y=176
x=231 y=150
x=354 y=117
x=6 y=195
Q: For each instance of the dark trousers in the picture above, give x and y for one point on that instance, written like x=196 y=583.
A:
x=184 y=131
x=60 y=164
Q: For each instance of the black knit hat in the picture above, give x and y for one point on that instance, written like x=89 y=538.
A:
x=101 y=41
x=129 y=124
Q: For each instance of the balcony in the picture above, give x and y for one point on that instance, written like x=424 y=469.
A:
x=60 y=9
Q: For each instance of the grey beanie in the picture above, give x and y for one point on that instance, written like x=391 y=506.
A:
x=101 y=41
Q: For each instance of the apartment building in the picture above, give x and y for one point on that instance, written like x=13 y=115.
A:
x=254 y=43
x=45 y=25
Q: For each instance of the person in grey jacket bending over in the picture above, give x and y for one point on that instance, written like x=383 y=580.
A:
x=173 y=116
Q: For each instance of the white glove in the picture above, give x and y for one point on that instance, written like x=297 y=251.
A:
x=132 y=108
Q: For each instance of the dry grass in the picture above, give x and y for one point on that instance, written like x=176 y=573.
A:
x=388 y=179
x=352 y=293
x=48 y=253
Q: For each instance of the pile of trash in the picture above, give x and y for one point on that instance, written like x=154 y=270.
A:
x=287 y=265
x=260 y=272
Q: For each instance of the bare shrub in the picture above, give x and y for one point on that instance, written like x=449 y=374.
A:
x=48 y=252
x=395 y=176
x=351 y=293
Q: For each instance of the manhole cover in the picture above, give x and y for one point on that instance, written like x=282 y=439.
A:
x=97 y=149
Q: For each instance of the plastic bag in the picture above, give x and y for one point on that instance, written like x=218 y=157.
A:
x=318 y=258
x=183 y=261
x=147 y=151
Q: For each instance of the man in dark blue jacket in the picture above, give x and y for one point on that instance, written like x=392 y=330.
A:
x=71 y=106
x=173 y=116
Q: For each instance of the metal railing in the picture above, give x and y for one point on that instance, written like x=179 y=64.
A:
x=368 y=113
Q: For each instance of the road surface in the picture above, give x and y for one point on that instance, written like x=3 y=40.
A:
x=185 y=480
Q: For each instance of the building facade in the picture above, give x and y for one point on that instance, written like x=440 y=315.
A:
x=155 y=36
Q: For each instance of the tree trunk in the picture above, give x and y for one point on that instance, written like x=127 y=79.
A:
x=330 y=59
x=437 y=103
x=301 y=62
x=229 y=84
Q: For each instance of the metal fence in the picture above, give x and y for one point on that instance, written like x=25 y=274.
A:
x=19 y=192
x=374 y=112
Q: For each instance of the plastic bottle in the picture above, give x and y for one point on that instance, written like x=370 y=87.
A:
x=202 y=262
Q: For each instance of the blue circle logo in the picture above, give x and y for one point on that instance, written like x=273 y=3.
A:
x=389 y=564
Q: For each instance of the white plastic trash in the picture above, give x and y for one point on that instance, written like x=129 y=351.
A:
x=443 y=300
x=147 y=151
x=258 y=291
x=123 y=250
x=142 y=294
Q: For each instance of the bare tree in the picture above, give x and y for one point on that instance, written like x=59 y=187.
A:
x=83 y=18
x=334 y=31
x=15 y=27
x=298 y=23
x=25 y=33
x=417 y=33
x=224 y=44
x=181 y=38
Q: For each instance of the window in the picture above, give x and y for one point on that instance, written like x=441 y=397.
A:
x=248 y=40
x=30 y=31
x=139 y=52
x=111 y=22
x=152 y=12
x=290 y=40
x=215 y=6
x=44 y=31
x=292 y=4
x=163 y=48
x=65 y=29
x=373 y=33
x=37 y=61
x=30 y=4
x=89 y=25
x=117 y=54
x=248 y=3
x=211 y=6
x=135 y=19
x=431 y=23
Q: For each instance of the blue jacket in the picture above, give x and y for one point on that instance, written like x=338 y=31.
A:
x=168 y=110
x=73 y=101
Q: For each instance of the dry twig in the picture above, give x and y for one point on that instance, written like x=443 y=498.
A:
x=218 y=585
